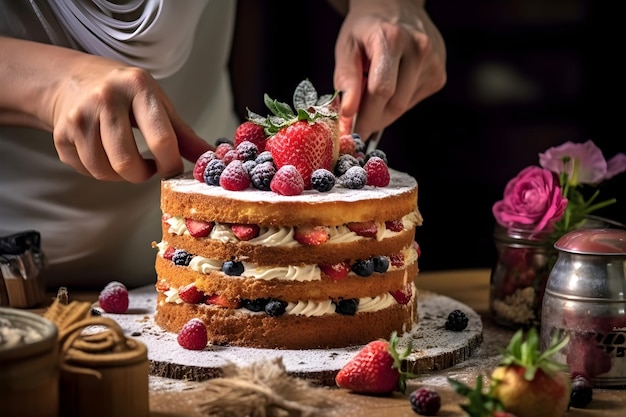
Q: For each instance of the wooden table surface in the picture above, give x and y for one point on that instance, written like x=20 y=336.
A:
x=471 y=287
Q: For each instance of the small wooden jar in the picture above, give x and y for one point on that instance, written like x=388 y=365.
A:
x=103 y=373
x=29 y=371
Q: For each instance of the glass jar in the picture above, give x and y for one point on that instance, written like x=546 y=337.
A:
x=518 y=278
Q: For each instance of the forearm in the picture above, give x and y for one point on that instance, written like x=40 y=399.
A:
x=30 y=74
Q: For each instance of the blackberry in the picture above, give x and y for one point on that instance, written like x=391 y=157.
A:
x=265 y=156
x=344 y=163
x=582 y=392
x=425 y=401
x=355 y=178
x=232 y=268
x=322 y=180
x=347 y=307
x=379 y=153
x=247 y=151
x=261 y=176
x=457 y=321
x=256 y=305
x=213 y=171
x=381 y=264
x=181 y=257
x=223 y=140
x=249 y=166
x=363 y=267
x=275 y=308
x=358 y=141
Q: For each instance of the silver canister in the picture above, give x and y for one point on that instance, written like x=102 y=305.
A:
x=585 y=298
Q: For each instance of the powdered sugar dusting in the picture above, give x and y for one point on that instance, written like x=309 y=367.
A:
x=400 y=183
x=433 y=347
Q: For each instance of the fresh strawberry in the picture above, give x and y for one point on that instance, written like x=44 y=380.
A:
x=403 y=295
x=287 y=181
x=201 y=162
x=394 y=225
x=169 y=252
x=235 y=177
x=528 y=382
x=190 y=294
x=198 y=228
x=245 y=232
x=377 y=172
x=305 y=138
x=337 y=271
x=193 y=335
x=365 y=229
x=251 y=132
x=221 y=301
x=311 y=235
x=376 y=369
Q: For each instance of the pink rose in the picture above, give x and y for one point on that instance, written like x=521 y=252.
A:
x=532 y=198
x=583 y=163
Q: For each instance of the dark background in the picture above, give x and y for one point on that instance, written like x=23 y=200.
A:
x=523 y=75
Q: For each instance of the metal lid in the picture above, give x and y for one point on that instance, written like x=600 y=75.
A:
x=594 y=242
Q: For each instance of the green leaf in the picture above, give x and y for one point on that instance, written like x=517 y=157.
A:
x=305 y=95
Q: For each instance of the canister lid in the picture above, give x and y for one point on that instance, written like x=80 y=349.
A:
x=594 y=242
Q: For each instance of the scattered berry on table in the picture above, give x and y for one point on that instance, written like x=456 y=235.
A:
x=287 y=181
x=114 y=298
x=193 y=335
x=457 y=321
x=425 y=401
x=213 y=171
x=235 y=177
x=582 y=392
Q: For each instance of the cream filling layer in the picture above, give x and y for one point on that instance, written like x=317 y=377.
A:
x=283 y=236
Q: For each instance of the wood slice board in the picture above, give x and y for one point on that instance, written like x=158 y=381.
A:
x=434 y=348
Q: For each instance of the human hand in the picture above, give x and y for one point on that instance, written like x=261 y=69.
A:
x=94 y=110
x=389 y=56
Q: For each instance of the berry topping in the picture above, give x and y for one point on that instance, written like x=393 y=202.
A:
x=377 y=153
x=193 y=335
x=255 y=305
x=337 y=271
x=347 y=307
x=377 y=172
x=230 y=156
x=287 y=181
x=245 y=232
x=355 y=178
x=403 y=296
x=181 y=257
x=582 y=392
x=232 y=268
x=250 y=132
x=457 y=321
x=114 y=298
x=322 y=180
x=265 y=156
x=394 y=225
x=397 y=259
x=169 y=252
x=190 y=294
x=223 y=139
x=344 y=163
x=223 y=148
x=358 y=143
x=425 y=401
x=198 y=228
x=261 y=175
x=247 y=151
x=363 y=267
x=213 y=171
x=381 y=263
x=235 y=177
x=347 y=144
x=201 y=162
x=365 y=229
x=275 y=308
x=311 y=235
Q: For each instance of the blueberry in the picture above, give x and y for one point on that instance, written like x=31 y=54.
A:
x=256 y=305
x=363 y=267
x=232 y=268
x=347 y=307
x=275 y=308
x=582 y=392
x=381 y=264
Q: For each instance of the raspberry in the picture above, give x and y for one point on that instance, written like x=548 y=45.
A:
x=377 y=172
x=230 y=156
x=347 y=144
x=201 y=162
x=355 y=178
x=235 y=177
x=457 y=321
x=287 y=181
x=222 y=148
x=114 y=298
x=322 y=180
x=425 y=401
x=193 y=335
x=582 y=393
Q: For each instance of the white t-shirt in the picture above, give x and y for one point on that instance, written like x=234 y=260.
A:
x=92 y=231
